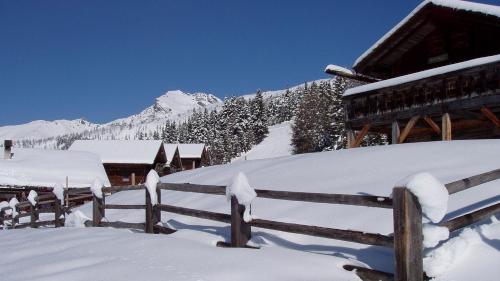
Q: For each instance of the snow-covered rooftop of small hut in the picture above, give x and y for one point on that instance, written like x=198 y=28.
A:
x=170 y=149
x=38 y=167
x=191 y=150
x=121 y=151
x=453 y=4
x=421 y=75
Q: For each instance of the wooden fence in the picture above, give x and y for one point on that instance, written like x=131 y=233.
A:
x=46 y=202
x=407 y=213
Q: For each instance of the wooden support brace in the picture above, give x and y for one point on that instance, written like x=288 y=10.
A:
x=395 y=132
x=446 y=127
x=407 y=129
x=360 y=136
x=34 y=214
x=491 y=116
x=97 y=210
x=240 y=230
x=407 y=236
x=432 y=124
x=149 y=226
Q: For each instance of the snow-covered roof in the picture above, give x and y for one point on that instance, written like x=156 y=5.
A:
x=191 y=150
x=453 y=4
x=170 y=149
x=421 y=75
x=338 y=69
x=39 y=167
x=121 y=151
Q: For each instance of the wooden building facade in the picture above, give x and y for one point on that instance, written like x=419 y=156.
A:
x=434 y=76
x=126 y=162
x=193 y=155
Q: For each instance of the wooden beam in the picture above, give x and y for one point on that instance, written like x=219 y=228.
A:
x=432 y=124
x=350 y=138
x=491 y=116
x=446 y=127
x=360 y=136
x=408 y=236
x=407 y=129
x=395 y=132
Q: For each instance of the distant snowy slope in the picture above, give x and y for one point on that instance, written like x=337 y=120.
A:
x=45 y=129
x=276 y=144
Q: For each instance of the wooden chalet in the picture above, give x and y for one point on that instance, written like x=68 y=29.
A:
x=193 y=155
x=174 y=163
x=127 y=162
x=434 y=76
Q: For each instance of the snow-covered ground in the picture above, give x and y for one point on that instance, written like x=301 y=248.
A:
x=190 y=253
x=276 y=144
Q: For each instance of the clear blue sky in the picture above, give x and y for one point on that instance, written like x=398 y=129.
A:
x=102 y=60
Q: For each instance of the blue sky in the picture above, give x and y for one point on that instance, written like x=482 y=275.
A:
x=101 y=60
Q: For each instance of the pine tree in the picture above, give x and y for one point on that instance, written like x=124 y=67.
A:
x=258 y=116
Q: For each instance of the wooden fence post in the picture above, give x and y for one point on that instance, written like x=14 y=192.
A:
x=240 y=230
x=58 y=212
x=156 y=210
x=132 y=176
x=98 y=209
x=407 y=236
x=34 y=214
x=148 y=227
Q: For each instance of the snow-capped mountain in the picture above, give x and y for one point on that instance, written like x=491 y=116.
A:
x=174 y=105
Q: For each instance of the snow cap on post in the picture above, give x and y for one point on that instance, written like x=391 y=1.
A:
x=58 y=191
x=431 y=194
x=151 y=181
x=96 y=188
x=240 y=188
x=13 y=204
x=32 y=197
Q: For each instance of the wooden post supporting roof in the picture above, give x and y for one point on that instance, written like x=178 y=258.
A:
x=432 y=124
x=350 y=138
x=407 y=129
x=395 y=132
x=360 y=136
x=491 y=116
x=446 y=127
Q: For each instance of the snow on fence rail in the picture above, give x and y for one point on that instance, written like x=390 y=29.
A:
x=407 y=240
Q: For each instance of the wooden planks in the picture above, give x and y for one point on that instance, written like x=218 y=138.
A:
x=125 y=207
x=471 y=218
x=360 y=136
x=407 y=236
x=491 y=116
x=196 y=213
x=463 y=184
x=332 y=233
x=432 y=124
x=406 y=131
x=195 y=188
x=446 y=127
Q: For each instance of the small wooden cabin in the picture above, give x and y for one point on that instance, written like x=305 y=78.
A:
x=174 y=163
x=126 y=162
x=193 y=155
x=434 y=76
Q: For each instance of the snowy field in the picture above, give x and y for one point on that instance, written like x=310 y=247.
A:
x=276 y=144
x=191 y=254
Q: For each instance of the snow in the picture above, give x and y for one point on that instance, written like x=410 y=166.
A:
x=81 y=254
x=32 y=197
x=453 y=4
x=76 y=219
x=38 y=167
x=191 y=150
x=120 y=151
x=58 y=191
x=432 y=195
x=453 y=253
x=13 y=204
x=421 y=75
x=276 y=144
x=240 y=188
x=338 y=69
x=367 y=170
x=4 y=204
x=433 y=234
x=152 y=180
x=170 y=149
x=96 y=188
